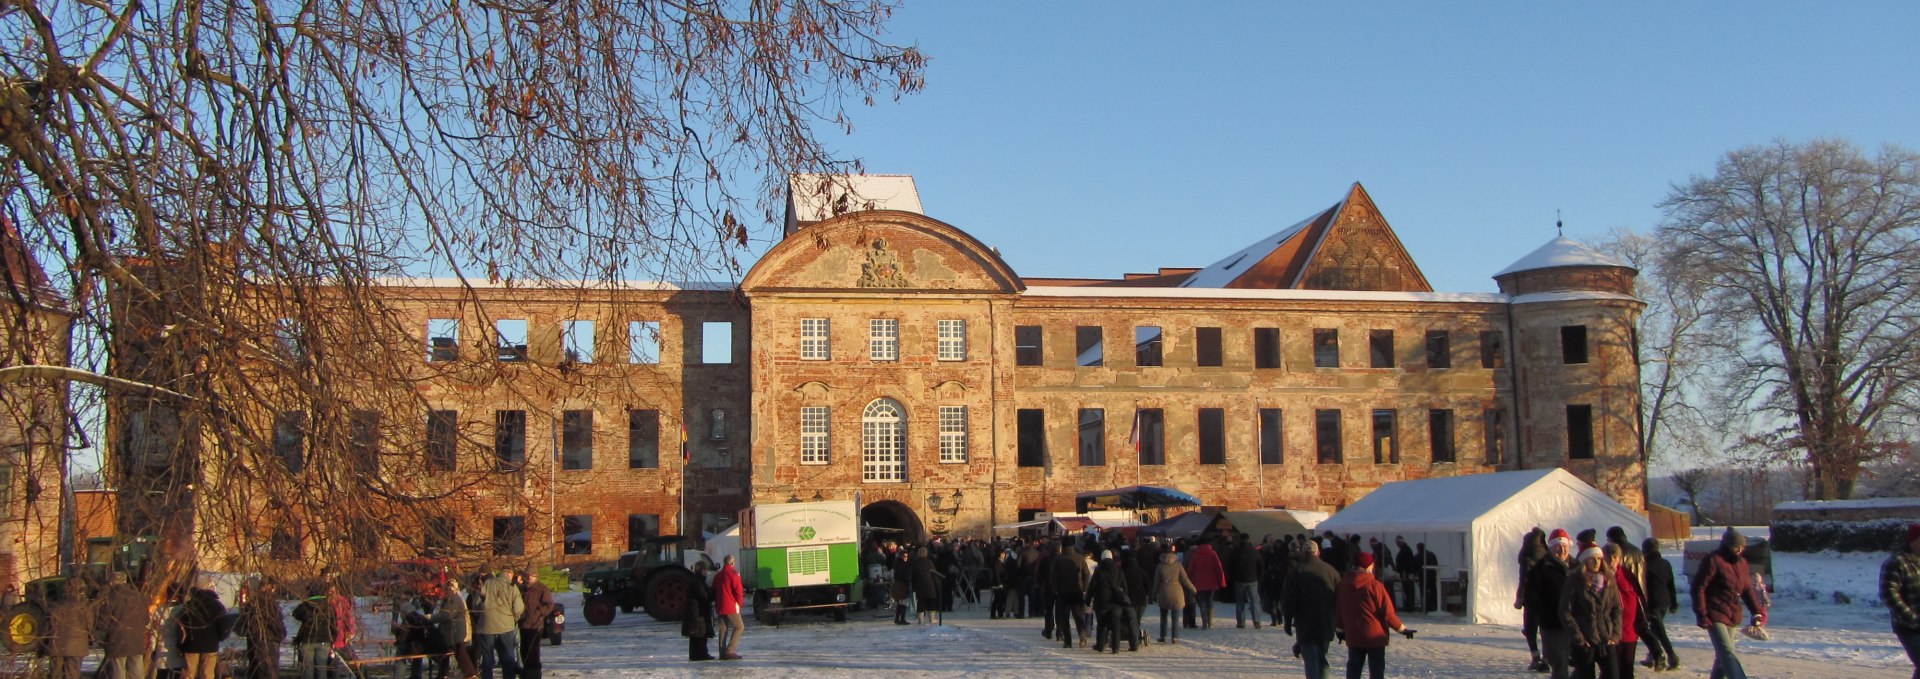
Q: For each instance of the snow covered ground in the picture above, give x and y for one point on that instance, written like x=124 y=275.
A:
x=1813 y=638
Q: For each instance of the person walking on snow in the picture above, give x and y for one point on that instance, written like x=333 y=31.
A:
x=1660 y=599
x=1203 y=567
x=728 y=595
x=1720 y=586
x=1533 y=548
x=1308 y=601
x=1364 y=614
x=1590 y=610
x=1900 y=589
x=1171 y=589
x=536 y=605
x=496 y=625
x=1546 y=585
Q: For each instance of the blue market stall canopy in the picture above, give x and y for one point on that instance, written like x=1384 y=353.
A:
x=1135 y=497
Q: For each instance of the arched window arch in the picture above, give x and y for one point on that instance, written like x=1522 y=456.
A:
x=883 y=442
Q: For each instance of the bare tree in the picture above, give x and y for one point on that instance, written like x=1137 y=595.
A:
x=1670 y=345
x=220 y=185
x=1693 y=484
x=1810 y=256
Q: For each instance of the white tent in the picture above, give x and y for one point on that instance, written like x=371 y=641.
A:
x=1474 y=524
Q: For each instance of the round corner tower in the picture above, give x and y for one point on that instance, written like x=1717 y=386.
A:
x=1574 y=322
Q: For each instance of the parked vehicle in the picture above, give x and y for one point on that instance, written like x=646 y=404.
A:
x=655 y=579
x=800 y=556
x=25 y=623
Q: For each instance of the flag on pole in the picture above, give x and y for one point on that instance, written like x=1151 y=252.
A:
x=686 y=455
x=1134 y=436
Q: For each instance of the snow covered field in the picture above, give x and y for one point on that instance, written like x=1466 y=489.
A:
x=1813 y=637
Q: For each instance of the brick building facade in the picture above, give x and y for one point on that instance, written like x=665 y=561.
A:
x=885 y=356
x=35 y=326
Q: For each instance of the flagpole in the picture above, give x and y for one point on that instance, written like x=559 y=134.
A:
x=685 y=457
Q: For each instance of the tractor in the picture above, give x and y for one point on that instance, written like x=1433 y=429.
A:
x=26 y=622
x=656 y=579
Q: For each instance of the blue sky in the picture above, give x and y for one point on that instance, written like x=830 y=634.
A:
x=1092 y=139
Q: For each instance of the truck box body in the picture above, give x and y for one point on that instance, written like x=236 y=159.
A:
x=801 y=543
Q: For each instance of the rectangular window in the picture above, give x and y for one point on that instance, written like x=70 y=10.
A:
x=1380 y=348
x=1494 y=423
x=1492 y=353
x=717 y=424
x=643 y=342
x=1386 y=437
x=1027 y=345
x=286 y=339
x=290 y=439
x=576 y=439
x=1439 y=349
x=1580 y=432
x=437 y=537
x=814 y=339
x=576 y=338
x=443 y=431
x=716 y=342
x=1032 y=436
x=1087 y=346
x=1326 y=348
x=639 y=528
x=953 y=340
x=509 y=536
x=813 y=435
x=577 y=534
x=510 y=335
x=1326 y=437
x=1206 y=347
x=1150 y=435
x=1272 y=441
x=1146 y=346
x=1093 y=437
x=1573 y=344
x=1440 y=434
x=953 y=434
x=1266 y=348
x=363 y=439
x=643 y=439
x=883 y=339
x=1213 y=436
x=443 y=340
x=509 y=439
x=6 y=484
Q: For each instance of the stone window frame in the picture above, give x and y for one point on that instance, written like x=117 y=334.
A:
x=643 y=342
x=1029 y=355
x=816 y=339
x=815 y=435
x=1439 y=349
x=638 y=436
x=1493 y=355
x=443 y=340
x=1208 y=351
x=951 y=337
x=1493 y=423
x=1443 y=436
x=953 y=434
x=509 y=439
x=576 y=439
x=1149 y=346
x=1091 y=449
x=1390 y=452
x=1382 y=357
x=1278 y=429
x=443 y=440
x=504 y=350
x=1269 y=359
x=1329 y=443
x=1211 y=445
x=883 y=339
x=513 y=540
x=576 y=524
x=1574 y=345
x=1326 y=348
x=578 y=340
x=1089 y=340
x=883 y=442
x=1580 y=443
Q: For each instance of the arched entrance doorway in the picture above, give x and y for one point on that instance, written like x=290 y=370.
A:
x=895 y=520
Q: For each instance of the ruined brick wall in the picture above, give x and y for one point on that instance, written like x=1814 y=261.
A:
x=33 y=433
x=1609 y=382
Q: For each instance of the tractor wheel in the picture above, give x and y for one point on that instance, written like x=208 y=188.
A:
x=598 y=611
x=666 y=594
x=25 y=627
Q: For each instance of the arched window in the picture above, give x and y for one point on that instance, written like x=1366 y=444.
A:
x=883 y=442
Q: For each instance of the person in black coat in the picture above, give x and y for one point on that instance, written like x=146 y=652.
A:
x=997 y=580
x=1545 y=585
x=926 y=585
x=1243 y=572
x=1111 y=603
x=120 y=623
x=203 y=626
x=1407 y=564
x=697 y=627
x=1429 y=577
x=1336 y=554
x=901 y=587
x=262 y=625
x=1309 y=602
x=1138 y=582
x=1067 y=587
x=1661 y=599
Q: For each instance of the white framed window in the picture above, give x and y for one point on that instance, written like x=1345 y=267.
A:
x=883 y=442
x=813 y=435
x=813 y=339
x=953 y=434
x=883 y=339
x=953 y=340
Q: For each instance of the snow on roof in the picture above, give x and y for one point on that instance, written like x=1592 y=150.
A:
x=1562 y=251
x=1870 y=503
x=1232 y=266
x=868 y=192
x=482 y=283
x=1537 y=297
x=1285 y=294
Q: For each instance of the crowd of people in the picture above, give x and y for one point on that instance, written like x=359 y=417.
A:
x=495 y=622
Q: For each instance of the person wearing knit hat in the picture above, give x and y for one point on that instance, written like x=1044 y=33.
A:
x=1364 y=613
x=1592 y=611
x=1720 y=586
x=1900 y=589
x=1546 y=584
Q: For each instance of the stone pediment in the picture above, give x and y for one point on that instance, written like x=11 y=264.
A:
x=880 y=251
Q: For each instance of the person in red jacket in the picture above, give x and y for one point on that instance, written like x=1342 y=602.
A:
x=1719 y=587
x=727 y=596
x=1208 y=576
x=1363 y=613
x=1630 y=610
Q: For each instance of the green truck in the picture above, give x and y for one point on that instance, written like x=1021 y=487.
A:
x=801 y=556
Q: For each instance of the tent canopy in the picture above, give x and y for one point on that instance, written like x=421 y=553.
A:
x=1135 y=497
x=1475 y=523
x=1259 y=525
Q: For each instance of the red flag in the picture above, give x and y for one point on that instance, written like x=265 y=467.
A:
x=1134 y=436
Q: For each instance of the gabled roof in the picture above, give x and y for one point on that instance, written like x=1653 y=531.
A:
x=20 y=274
x=1559 y=252
x=1286 y=259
